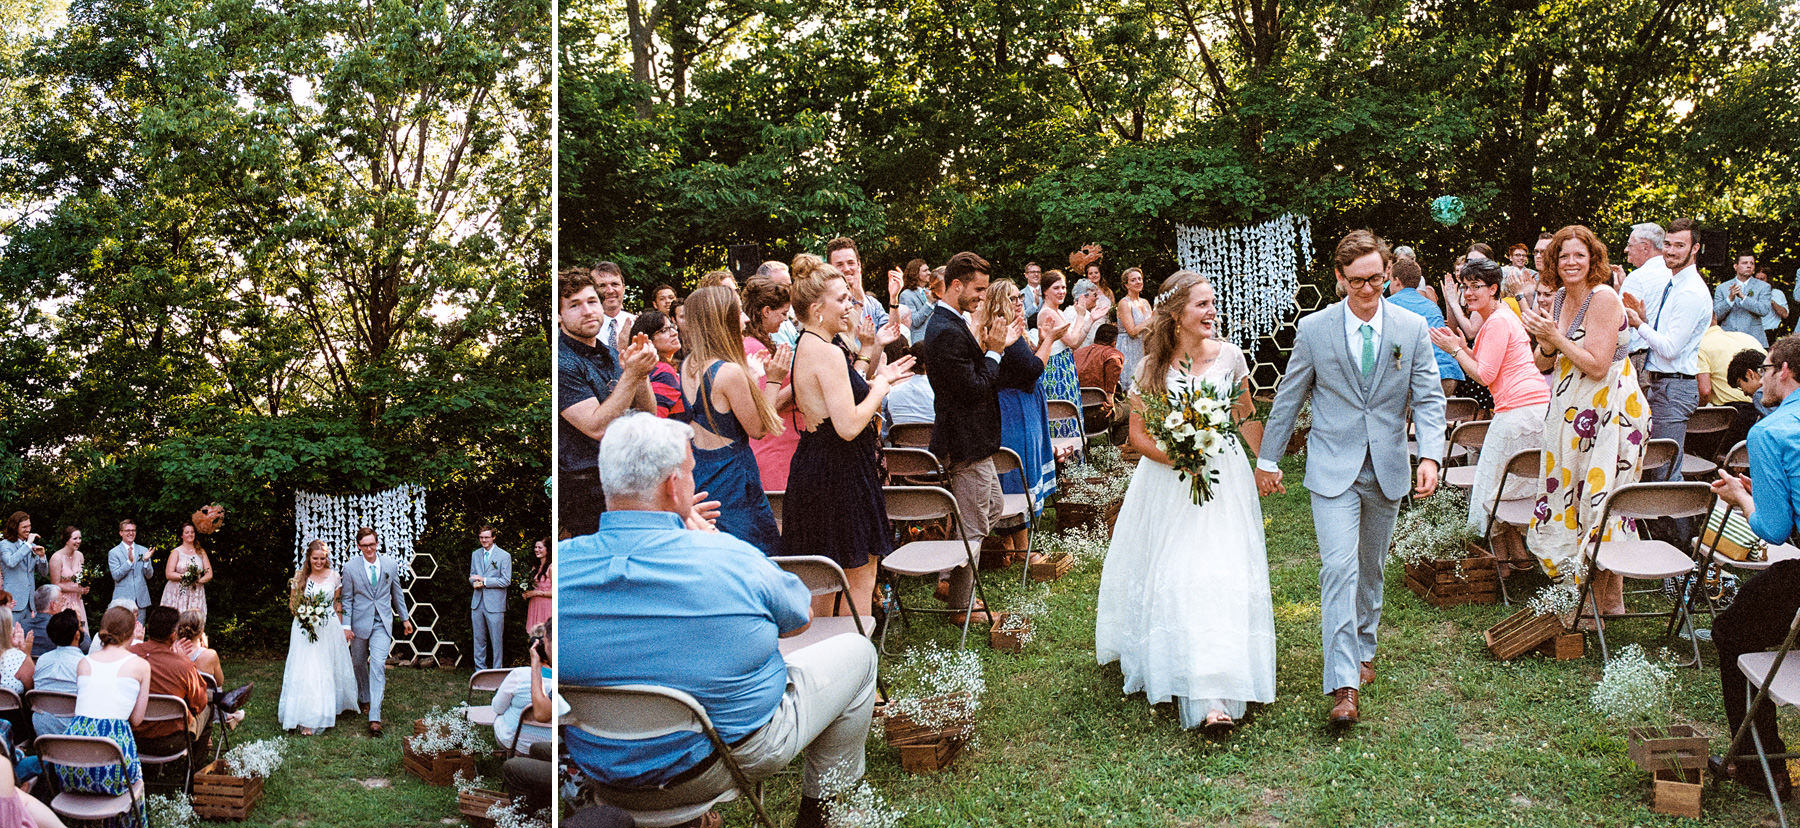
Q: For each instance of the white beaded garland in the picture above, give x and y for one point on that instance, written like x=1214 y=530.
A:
x=397 y=515
x=1254 y=269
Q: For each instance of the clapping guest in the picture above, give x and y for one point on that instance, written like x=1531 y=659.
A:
x=910 y=402
x=114 y=691
x=1501 y=361
x=137 y=628
x=665 y=382
x=22 y=559
x=1597 y=423
x=515 y=715
x=538 y=599
x=1134 y=322
x=1059 y=380
x=728 y=410
x=766 y=303
x=56 y=670
x=836 y=467
x=915 y=296
x=1024 y=415
x=15 y=661
x=1406 y=293
x=130 y=566
x=65 y=572
x=47 y=599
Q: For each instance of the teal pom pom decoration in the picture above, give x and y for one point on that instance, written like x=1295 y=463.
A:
x=1447 y=210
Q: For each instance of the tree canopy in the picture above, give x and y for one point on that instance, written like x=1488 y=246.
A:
x=1025 y=129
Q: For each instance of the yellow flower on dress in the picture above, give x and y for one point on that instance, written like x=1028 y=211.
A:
x=1634 y=406
x=1601 y=396
x=1596 y=479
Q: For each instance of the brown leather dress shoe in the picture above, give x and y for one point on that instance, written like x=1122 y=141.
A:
x=1368 y=672
x=1344 y=713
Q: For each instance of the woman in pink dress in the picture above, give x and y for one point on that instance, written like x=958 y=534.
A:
x=766 y=304
x=65 y=572
x=187 y=556
x=538 y=603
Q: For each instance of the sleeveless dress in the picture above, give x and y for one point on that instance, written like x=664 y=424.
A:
x=1184 y=603
x=839 y=481
x=69 y=600
x=774 y=452
x=319 y=680
x=1059 y=382
x=185 y=597
x=103 y=704
x=1132 y=347
x=538 y=610
x=1594 y=434
x=730 y=475
x=1024 y=425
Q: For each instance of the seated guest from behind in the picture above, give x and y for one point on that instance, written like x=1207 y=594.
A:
x=659 y=597
x=190 y=641
x=115 y=689
x=39 y=617
x=171 y=674
x=56 y=670
x=1758 y=618
x=1099 y=365
x=137 y=633
x=910 y=402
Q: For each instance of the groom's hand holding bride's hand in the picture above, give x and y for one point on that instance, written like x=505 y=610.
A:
x=1268 y=483
x=1428 y=478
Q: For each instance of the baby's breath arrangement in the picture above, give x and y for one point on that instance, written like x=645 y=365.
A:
x=1633 y=688
x=1436 y=528
x=1083 y=543
x=1018 y=621
x=447 y=731
x=1559 y=599
x=468 y=784
x=1105 y=458
x=172 y=811
x=938 y=688
x=852 y=803
x=508 y=814
x=256 y=759
x=1096 y=490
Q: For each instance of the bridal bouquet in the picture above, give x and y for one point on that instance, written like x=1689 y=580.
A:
x=191 y=577
x=314 y=613
x=1193 y=426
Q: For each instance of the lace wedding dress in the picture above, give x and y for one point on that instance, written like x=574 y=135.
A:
x=318 y=682
x=1184 y=601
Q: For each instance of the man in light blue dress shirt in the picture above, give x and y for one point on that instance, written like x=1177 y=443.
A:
x=1742 y=302
x=1407 y=275
x=1670 y=317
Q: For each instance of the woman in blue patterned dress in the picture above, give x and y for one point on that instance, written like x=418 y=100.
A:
x=112 y=690
x=1134 y=322
x=1059 y=381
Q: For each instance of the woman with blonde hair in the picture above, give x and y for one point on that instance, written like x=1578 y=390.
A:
x=16 y=666
x=112 y=689
x=1024 y=411
x=1189 y=619
x=728 y=410
x=834 y=482
x=319 y=681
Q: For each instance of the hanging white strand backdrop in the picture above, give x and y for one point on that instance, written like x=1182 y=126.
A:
x=397 y=515
x=1255 y=271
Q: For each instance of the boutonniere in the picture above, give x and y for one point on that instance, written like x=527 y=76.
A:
x=1396 y=357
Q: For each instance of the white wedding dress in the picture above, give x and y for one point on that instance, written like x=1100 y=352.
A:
x=1184 y=601
x=318 y=682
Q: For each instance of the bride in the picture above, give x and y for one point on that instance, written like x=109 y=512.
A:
x=1184 y=596
x=318 y=682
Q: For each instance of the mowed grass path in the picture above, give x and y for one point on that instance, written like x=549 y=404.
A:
x=342 y=776
x=1451 y=736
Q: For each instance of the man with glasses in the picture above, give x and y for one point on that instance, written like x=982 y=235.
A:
x=1758 y=618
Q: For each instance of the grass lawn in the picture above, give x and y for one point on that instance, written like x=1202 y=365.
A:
x=1450 y=735
x=342 y=776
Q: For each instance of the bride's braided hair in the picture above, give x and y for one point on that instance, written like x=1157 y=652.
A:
x=1161 y=340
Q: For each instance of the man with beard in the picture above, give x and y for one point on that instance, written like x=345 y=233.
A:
x=1670 y=318
x=593 y=389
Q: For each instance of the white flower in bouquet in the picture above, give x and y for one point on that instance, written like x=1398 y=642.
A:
x=314 y=613
x=1191 y=425
x=256 y=759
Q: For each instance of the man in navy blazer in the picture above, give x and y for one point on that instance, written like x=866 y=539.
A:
x=967 y=431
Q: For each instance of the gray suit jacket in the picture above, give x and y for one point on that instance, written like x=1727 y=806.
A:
x=1745 y=314
x=1349 y=421
x=368 y=607
x=20 y=565
x=497 y=579
x=129 y=581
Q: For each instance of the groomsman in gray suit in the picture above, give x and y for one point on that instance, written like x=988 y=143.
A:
x=1365 y=364
x=130 y=567
x=372 y=600
x=490 y=574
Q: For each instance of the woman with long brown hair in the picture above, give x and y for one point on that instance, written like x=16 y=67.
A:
x=766 y=304
x=1024 y=413
x=728 y=410
x=834 y=485
x=319 y=681
x=65 y=572
x=1190 y=621
x=916 y=296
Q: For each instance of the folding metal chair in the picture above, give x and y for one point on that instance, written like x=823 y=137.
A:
x=487 y=682
x=1095 y=424
x=1059 y=411
x=1021 y=507
x=910 y=435
x=775 y=499
x=1771 y=677
x=1460 y=410
x=50 y=701
x=1703 y=429
x=1709 y=556
x=639 y=712
x=1659 y=456
x=10 y=701
x=1528 y=464
x=913 y=466
x=1468 y=436
x=165 y=708
x=86 y=752
x=929 y=557
x=1737 y=460
x=823 y=576
x=1644 y=560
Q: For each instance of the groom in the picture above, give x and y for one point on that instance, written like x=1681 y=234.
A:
x=372 y=599
x=1364 y=363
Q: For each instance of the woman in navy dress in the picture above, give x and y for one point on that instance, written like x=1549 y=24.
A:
x=1024 y=412
x=727 y=412
x=833 y=505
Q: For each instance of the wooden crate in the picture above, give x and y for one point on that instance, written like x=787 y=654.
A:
x=901 y=730
x=1564 y=646
x=219 y=795
x=1052 y=567
x=474 y=804
x=1664 y=748
x=1070 y=515
x=1010 y=641
x=931 y=757
x=1474 y=579
x=438 y=769
x=1520 y=633
x=1677 y=792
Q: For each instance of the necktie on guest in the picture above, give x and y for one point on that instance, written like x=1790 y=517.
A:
x=1368 y=349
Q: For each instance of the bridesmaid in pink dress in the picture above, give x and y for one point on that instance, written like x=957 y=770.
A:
x=175 y=593
x=538 y=604
x=766 y=302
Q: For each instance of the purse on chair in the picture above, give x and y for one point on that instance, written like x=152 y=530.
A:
x=1732 y=536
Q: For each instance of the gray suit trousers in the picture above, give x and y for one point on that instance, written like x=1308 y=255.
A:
x=488 y=638
x=369 y=656
x=1353 y=530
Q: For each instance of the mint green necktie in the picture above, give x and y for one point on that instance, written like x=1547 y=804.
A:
x=1368 y=355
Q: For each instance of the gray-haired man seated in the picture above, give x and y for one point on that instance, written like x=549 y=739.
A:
x=656 y=597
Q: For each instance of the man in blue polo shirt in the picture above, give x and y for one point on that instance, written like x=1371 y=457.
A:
x=650 y=600
x=1758 y=618
x=592 y=390
x=1407 y=275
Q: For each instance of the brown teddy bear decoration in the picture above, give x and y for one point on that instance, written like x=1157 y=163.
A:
x=209 y=519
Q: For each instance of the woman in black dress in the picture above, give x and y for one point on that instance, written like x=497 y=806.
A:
x=833 y=505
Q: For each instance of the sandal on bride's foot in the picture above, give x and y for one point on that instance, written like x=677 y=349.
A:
x=1218 y=723
x=306 y=731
